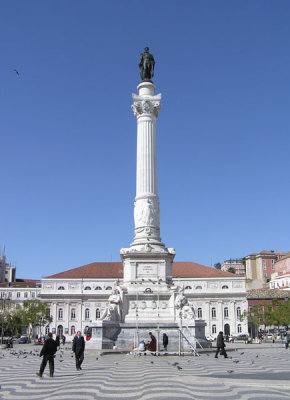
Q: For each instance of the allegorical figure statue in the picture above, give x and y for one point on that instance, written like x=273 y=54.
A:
x=146 y=65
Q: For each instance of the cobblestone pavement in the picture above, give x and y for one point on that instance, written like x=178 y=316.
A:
x=251 y=372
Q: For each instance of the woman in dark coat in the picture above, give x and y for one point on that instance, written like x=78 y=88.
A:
x=151 y=346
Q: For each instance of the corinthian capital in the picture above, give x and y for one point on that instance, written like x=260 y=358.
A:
x=146 y=105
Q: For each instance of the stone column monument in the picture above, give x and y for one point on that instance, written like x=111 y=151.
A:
x=146 y=299
x=147 y=258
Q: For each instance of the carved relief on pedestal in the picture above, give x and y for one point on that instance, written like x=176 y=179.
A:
x=147 y=213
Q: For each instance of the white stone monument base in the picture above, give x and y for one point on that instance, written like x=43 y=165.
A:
x=124 y=336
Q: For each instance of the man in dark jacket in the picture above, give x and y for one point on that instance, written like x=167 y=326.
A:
x=48 y=350
x=165 y=341
x=220 y=344
x=78 y=348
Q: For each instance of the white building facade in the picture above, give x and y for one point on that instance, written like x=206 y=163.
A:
x=76 y=302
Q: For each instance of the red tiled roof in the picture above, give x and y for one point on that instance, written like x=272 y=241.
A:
x=115 y=270
x=20 y=283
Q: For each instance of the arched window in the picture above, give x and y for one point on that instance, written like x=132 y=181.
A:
x=98 y=313
x=73 y=313
x=213 y=313
x=148 y=290
x=213 y=329
x=72 y=330
x=188 y=287
x=199 y=313
x=98 y=288
x=198 y=287
x=226 y=312
x=109 y=288
x=239 y=328
x=87 y=288
x=87 y=313
x=60 y=313
x=238 y=312
x=60 y=288
x=225 y=287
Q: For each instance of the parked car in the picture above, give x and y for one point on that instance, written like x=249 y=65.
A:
x=24 y=339
x=242 y=337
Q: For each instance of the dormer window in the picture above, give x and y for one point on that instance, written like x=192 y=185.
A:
x=98 y=288
x=87 y=288
x=60 y=288
x=225 y=287
x=198 y=287
x=109 y=288
x=148 y=290
x=188 y=287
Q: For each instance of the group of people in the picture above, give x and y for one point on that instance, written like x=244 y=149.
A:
x=151 y=344
x=51 y=346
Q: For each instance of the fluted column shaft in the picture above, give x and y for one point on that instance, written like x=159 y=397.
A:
x=146 y=107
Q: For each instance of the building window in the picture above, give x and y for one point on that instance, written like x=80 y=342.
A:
x=238 y=312
x=213 y=313
x=109 y=288
x=47 y=329
x=239 y=328
x=98 y=313
x=98 y=288
x=198 y=287
x=33 y=294
x=199 y=313
x=213 y=329
x=188 y=287
x=10 y=294
x=264 y=266
x=87 y=313
x=73 y=313
x=226 y=312
x=265 y=275
x=18 y=294
x=72 y=330
x=60 y=288
x=60 y=313
x=25 y=295
x=225 y=287
x=87 y=288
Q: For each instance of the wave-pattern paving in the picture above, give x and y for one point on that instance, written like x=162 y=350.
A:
x=250 y=373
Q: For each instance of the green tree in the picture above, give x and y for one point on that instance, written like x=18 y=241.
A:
x=35 y=313
x=232 y=270
x=218 y=265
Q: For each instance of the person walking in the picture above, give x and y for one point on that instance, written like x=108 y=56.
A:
x=220 y=344
x=63 y=340
x=165 y=341
x=48 y=351
x=78 y=348
x=57 y=339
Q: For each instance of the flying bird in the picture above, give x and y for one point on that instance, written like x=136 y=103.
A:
x=16 y=72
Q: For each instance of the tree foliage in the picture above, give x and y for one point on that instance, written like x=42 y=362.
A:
x=218 y=265
x=35 y=312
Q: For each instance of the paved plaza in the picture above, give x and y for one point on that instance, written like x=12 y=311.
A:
x=251 y=372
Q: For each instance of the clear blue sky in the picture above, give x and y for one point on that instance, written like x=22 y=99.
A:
x=68 y=135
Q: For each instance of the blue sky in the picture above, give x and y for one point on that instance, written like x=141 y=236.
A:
x=68 y=135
